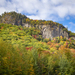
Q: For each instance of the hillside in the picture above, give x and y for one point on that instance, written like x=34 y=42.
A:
x=23 y=51
x=12 y=18
x=19 y=19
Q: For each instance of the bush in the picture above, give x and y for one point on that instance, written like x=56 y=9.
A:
x=46 y=40
x=65 y=67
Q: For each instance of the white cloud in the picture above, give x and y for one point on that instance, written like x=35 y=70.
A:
x=68 y=18
x=66 y=26
x=72 y=26
x=47 y=9
x=71 y=23
x=2 y=2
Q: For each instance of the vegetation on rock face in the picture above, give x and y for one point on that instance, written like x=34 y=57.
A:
x=23 y=51
x=19 y=19
x=12 y=18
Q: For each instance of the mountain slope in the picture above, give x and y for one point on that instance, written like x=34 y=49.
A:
x=19 y=19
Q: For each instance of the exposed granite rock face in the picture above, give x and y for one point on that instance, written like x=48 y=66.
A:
x=26 y=25
x=73 y=38
x=50 y=32
x=10 y=20
x=66 y=35
x=46 y=32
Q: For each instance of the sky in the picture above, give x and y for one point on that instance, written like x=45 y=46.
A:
x=61 y=11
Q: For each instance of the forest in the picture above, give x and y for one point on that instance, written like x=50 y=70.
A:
x=23 y=51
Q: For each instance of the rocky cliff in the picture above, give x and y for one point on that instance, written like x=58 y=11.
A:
x=12 y=18
x=49 y=29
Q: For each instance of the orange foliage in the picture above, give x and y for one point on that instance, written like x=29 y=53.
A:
x=21 y=28
x=1 y=27
x=29 y=48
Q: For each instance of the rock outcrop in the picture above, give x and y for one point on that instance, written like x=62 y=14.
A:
x=10 y=20
x=73 y=38
x=49 y=31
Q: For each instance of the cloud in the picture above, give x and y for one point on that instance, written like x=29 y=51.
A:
x=66 y=26
x=40 y=9
x=68 y=18
x=71 y=23
x=72 y=26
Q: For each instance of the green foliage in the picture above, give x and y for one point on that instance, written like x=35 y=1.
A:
x=45 y=40
x=24 y=52
x=39 y=38
x=14 y=60
x=53 y=64
x=22 y=36
x=71 y=34
x=65 y=66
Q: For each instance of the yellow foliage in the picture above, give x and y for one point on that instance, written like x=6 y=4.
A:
x=4 y=58
x=5 y=61
x=61 y=37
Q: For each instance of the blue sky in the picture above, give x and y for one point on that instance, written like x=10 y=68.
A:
x=61 y=11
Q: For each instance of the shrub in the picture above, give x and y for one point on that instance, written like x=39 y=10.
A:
x=45 y=40
x=65 y=66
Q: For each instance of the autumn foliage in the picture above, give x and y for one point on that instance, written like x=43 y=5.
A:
x=23 y=51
